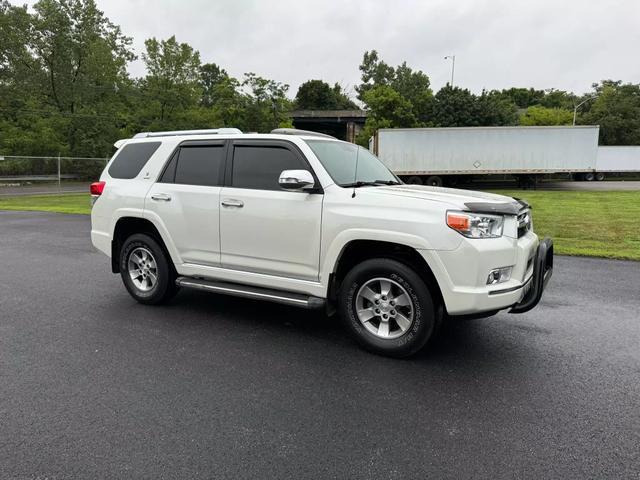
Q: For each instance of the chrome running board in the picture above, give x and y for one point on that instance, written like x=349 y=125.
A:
x=248 y=291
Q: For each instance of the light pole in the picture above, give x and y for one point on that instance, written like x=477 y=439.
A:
x=453 y=65
x=575 y=109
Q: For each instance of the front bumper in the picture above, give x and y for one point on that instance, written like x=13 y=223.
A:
x=542 y=271
x=461 y=274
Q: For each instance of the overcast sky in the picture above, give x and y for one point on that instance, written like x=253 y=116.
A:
x=498 y=44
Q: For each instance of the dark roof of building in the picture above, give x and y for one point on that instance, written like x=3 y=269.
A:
x=328 y=114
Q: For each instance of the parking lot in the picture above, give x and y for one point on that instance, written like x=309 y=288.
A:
x=96 y=385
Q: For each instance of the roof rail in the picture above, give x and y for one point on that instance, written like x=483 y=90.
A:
x=173 y=133
x=295 y=131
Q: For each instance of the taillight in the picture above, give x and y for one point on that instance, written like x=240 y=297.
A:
x=97 y=188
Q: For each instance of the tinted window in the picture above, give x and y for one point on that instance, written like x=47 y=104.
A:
x=200 y=165
x=260 y=167
x=131 y=158
x=169 y=173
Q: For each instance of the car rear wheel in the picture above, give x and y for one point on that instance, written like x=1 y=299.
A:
x=387 y=307
x=146 y=270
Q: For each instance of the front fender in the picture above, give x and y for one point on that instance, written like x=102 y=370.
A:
x=340 y=241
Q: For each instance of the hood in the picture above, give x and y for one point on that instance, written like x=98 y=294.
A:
x=461 y=199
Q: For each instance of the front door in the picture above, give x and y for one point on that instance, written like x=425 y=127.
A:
x=263 y=228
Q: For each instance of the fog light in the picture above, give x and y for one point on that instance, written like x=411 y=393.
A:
x=499 y=275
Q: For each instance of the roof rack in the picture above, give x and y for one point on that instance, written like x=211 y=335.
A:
x=173 y=133
x=295 y=131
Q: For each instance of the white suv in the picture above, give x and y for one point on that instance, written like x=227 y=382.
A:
x=304 y=219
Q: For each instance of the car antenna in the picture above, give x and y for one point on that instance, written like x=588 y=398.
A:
x=355 y=175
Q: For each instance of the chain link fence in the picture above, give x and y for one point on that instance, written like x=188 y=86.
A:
x=21 y=170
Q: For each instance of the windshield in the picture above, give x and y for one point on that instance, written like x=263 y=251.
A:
x=339 y=160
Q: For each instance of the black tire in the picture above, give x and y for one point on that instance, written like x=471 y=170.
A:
x=164 y=287
x=424 y=315
x=589 y=177
x=434 y=181
x=414 y=180
x=600 y=176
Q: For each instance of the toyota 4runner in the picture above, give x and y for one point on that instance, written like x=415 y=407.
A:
x=304 y=219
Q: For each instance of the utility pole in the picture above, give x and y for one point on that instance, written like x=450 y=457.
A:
x=453 y=65
x=575 y=109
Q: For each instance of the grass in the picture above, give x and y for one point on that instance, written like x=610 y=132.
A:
x=67 y=203
x=588 y=223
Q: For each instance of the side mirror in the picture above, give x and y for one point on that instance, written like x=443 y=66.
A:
x=296 y=180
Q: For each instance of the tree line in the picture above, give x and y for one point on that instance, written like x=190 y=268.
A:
x=65 y=89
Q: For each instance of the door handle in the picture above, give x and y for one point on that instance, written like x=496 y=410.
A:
x=161 y=197
x=232 y=202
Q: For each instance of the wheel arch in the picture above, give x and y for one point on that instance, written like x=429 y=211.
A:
x=127 y=226
x=357 y=251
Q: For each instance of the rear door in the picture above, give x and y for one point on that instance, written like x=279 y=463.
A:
x=187 y=199
x=263 y=228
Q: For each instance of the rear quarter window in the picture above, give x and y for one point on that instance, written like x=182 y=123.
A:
x=130 y=160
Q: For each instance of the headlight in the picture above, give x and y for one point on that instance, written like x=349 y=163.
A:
x=476 y=225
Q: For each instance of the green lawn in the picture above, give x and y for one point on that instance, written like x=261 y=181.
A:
x=595 y=224
x=598 y=224
x=67 y=203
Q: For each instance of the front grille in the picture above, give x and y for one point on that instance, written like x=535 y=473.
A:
x=524 y=223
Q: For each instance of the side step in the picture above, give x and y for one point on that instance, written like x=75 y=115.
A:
x=248 y=291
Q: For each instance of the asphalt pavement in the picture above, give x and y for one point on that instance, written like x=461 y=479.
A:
x=94 y=385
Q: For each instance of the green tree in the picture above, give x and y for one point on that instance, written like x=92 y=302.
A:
x=375 y=72
x=68 y=71
x=394 y=97
x=211 y=76
x=172 y=84
x=494 y=110
x=414 y=86
x=453 y=107
x=17 y=66
x=521 y=97
x=343 y=102
x=319 y=95
x=387 y=109
x=617 y=110
x=539 y=115
x=558 y=99
x=266 y=104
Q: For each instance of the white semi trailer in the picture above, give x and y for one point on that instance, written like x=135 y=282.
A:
x=434 y=156
x=614 y=160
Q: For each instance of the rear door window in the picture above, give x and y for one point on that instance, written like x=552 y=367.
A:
x=130 y=160
x=196 y=165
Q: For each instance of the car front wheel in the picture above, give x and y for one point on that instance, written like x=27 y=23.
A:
x=387 y=307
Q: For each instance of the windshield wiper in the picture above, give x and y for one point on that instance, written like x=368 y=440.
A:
x=372 y=183
x=388 y=182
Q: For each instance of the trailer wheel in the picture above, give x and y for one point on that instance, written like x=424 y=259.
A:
x=414 y=180
x=434 y=181
x=589 y=176
x=599 y=176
